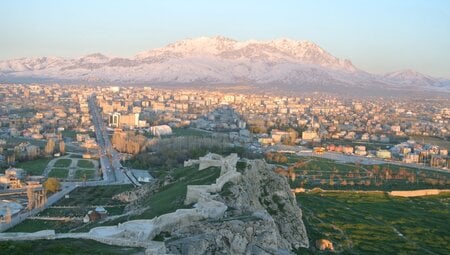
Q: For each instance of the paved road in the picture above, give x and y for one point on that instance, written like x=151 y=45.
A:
x=109 y=159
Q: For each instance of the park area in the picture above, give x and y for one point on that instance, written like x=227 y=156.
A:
x=34 y=167
x=73 y=168
x=64 y=246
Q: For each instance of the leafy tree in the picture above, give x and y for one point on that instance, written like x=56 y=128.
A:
x=50 y=147
x=52 y=185
x=62 y=147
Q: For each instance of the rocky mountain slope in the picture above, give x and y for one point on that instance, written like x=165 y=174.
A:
x=217 y=60
x=262 y=218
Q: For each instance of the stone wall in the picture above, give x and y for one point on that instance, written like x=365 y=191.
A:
x=417 y=193
x=19 y=236
x=140 y=233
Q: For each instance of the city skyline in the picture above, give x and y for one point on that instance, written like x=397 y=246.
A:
x=378 y=37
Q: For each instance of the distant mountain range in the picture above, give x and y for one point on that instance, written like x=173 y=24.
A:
x=218 y=60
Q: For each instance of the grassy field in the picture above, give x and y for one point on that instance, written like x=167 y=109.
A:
x=59 y=172
x=361 y=223
x=64 y=247
x=83 y=199
x=189 y=132
x=69 y=133
x=37 y=225
x=432 y=140
x=171 y=197
x=95 y=195
x=73 y=134
x=80 y=173
x=34 y=167
x=63 y=162
x=85 y=163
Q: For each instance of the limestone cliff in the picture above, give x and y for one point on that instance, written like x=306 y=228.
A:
x=262 y=218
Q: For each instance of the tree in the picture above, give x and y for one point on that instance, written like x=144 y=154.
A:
x=62 y=147
x=52 y=185
x=50 y=147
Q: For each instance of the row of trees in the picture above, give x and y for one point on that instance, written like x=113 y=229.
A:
x=275 y=157
x=173 y=151
x=129 y=142
x=50 y=147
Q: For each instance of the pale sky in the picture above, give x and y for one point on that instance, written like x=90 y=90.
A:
x=378 y=36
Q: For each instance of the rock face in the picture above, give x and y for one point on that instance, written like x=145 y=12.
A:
x=262 y=218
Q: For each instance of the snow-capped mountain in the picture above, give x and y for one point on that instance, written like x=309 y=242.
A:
x=216 y=60
x=411 y=77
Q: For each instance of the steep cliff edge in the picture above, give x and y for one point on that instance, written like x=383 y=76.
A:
x=262 y=218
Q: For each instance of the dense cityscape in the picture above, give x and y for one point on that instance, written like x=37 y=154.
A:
x=212 y=127
x=56 y=138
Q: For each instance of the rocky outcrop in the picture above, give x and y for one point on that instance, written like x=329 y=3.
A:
x=262 y=218
x=251 y=211
x=324 y=244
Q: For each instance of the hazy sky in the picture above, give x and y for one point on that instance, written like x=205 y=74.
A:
x=376 y=35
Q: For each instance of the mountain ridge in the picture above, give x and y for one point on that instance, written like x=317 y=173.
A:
x=219 y=60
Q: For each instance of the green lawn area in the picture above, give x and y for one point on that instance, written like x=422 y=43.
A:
x=34 y=167
x=171 y=197
x=189 y=132
x=37 y=225
x=85 y=163
x=69 y=133
x=361 y=223
x=63 y=162
x=75 y=156
x=80 y=173
x=58 y=172
x=64 y=247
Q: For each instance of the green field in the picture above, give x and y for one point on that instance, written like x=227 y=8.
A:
x=64 y=247
x=171 y=197
x=85 y=163
x=432 y=140
x=63 y=162
x=362 y=223
x=80 y=211
x=69 y=133
x=37 y=225
x=189 y=132
x=90 y=174
x=83 y=199
x=34 y=167
x=95 y=195
x=58 y=172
